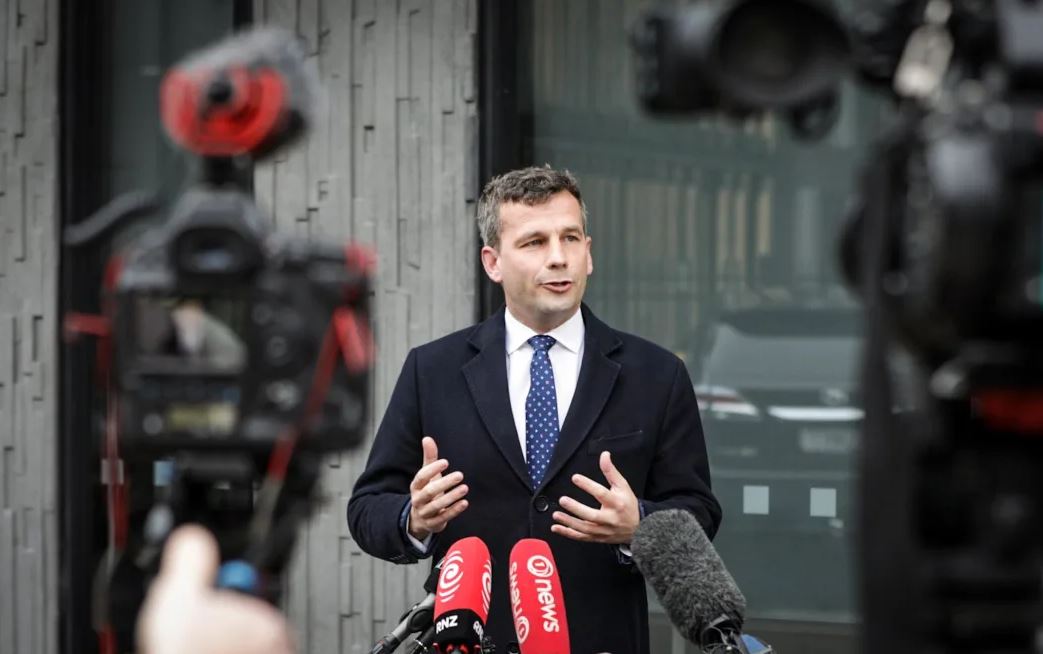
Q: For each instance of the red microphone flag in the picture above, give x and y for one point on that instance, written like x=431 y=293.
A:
x=462 y=597
x=537 y=603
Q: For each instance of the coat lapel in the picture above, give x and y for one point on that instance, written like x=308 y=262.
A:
x=486 y=376
x=597 y=377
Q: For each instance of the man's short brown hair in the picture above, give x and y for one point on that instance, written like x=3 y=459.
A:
x=529 y=186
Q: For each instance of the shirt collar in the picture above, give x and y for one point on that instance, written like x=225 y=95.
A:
x=569 y=333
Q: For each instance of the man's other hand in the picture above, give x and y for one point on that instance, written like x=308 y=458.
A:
x=615 y=522
x=184 y=612
x=436 y=499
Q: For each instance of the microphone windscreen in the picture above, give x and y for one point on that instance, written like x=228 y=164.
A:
x=677 y=559
x=537 y=600
x=463 y=594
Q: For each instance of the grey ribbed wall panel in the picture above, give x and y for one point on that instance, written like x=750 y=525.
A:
x=392 y=162
x=28 y=326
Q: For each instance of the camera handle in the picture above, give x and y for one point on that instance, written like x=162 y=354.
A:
x=102 y=222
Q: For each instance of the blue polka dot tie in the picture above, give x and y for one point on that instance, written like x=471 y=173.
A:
x=541 y=410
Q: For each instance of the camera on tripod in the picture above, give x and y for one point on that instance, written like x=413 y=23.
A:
x=232 y=357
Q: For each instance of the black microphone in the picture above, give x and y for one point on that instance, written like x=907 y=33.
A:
x=417 y=618
x=700 y=597
x=424 y=643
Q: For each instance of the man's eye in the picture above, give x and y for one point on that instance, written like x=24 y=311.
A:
x=531 y=243
x=572 y=237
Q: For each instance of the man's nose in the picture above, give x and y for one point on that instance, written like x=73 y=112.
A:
x=556 y=256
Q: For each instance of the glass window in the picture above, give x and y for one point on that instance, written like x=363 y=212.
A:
x=148 y=37
x=717 y=241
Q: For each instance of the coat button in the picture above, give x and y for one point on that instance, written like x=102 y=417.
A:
x=541 y=503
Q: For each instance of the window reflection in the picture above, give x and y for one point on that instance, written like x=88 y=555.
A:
x=781 y=415
x=717 y=240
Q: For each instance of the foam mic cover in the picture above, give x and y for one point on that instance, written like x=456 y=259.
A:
x=537 y=602
x=462 y=597
x=674 y=554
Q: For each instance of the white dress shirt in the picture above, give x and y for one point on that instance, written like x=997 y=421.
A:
x=566 y=356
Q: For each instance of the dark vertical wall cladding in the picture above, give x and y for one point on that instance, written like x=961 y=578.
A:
x=506 y=115
x=28 y=325
x=391 y=162
x=82 y=88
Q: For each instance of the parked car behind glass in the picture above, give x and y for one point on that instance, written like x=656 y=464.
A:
x=781 y=412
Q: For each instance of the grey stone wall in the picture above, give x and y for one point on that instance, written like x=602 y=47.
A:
x=392 y=163
x=28 y=326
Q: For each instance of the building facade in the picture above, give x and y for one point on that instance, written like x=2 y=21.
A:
x=704 y=233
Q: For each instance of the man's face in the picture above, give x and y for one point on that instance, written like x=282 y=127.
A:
x=542 y=261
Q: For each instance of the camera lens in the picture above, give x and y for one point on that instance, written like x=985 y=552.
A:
x=758 y=47
x=775 y=53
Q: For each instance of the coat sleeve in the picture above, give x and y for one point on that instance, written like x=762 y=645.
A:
x=382 y=490
x=680 y=475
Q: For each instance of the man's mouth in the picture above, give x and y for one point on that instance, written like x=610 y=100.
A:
x=558 y=287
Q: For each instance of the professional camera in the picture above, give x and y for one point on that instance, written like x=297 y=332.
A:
x=966 y=156
x=233 y=358
x=943 y=245
x=220 y=326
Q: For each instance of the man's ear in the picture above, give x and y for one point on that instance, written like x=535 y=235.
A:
x=491 y=263
x=590 y=258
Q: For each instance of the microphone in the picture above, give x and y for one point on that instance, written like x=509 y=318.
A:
x=416 y=618
x=674 y=554
x=462 y=597
x=537 y=602
x=423 y=643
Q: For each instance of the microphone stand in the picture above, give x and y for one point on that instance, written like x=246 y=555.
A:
x=417 y=618
x=422 y=643
x=723 y=636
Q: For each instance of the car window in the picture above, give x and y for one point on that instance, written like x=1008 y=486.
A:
x=754 y=359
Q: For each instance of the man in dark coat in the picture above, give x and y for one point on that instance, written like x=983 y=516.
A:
x=540 y=422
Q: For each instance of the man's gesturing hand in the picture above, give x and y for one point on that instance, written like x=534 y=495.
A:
x=615 y=522
x=436 y=499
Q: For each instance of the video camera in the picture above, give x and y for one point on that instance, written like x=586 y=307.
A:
x=943 y=244
x=232 y=358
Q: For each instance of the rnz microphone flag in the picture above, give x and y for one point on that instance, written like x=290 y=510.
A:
x=462 y=597
x=537 y=601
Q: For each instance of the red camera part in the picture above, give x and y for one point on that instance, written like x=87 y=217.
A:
x=224 y=112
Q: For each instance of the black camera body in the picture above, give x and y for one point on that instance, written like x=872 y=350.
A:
x=966 y=211
x=944 y=245
x=966 y=157
x=220 y=326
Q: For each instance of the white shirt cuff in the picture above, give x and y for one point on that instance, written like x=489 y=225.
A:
x=421 y=546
